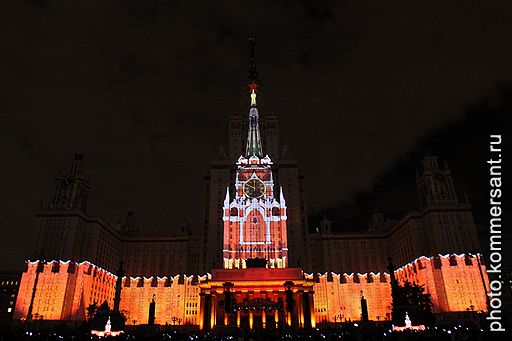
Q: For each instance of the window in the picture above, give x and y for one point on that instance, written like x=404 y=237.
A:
x=420 y=265
x=468 y=260
x=453 y=261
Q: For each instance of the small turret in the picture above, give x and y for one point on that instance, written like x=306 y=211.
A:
x=325 y=225
x=71 y=189
x=435 y=185
x=128 y=226
x=226 y=198
x=377 y=222
x=282 y=201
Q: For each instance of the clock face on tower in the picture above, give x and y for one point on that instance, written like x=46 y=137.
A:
x=254 y=188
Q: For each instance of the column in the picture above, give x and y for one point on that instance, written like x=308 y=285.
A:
x=213 y=311
x=308 y=312
x=228 y=303
x=289 y=302
x=312 y=308
x=205 y=312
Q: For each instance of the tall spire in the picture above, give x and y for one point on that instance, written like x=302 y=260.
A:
x=253 y=71
x=253 y=146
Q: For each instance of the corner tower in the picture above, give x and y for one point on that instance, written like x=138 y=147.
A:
x=435 y=185
x=254 y=217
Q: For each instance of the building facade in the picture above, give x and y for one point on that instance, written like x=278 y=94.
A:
x=62 y=290
x=9 y=283
x=253 y=241
x=222 y=172
x=442 y=225
x=66 y=231
x=255 y=220
x=287 y=174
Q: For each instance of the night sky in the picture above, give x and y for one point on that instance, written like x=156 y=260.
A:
x=144 y=89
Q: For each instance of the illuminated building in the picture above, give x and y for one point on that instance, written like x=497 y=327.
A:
x=254 y=239
x=9 y=283
x=257 y=298
x=67 y=231
x=256 y=289
x=286 y=173
x=61 y=290
x=176 y=297
x=442 y=225
x=255 y=220
x=454 y=282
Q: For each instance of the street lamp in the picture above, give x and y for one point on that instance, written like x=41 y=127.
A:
x=175 y=319
x=336 y=318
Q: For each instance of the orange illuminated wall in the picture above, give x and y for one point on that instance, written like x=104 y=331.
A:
x=64 y=290
x=176 y=298
x=340 y=295
x=455 y=282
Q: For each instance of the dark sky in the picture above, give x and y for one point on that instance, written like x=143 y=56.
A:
x=144 y=90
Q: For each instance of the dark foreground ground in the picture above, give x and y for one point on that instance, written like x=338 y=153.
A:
x=353 y=333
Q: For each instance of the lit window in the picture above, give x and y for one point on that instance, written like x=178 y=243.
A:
x=9 y=309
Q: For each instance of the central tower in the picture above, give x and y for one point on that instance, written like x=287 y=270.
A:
x=254 y=220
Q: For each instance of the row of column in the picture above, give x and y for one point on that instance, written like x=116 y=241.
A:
x=297 y=310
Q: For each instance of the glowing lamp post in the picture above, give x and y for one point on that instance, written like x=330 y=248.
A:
x=108 y=330
x=336 y=318
x=408 y=325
